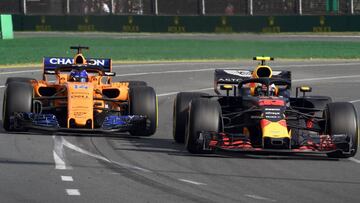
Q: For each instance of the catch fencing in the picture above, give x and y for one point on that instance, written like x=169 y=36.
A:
x=181 y=7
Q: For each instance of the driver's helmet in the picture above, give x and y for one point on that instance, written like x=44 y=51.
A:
x=78 y=75
x=261 y=90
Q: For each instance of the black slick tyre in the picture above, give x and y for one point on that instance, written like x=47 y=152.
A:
x=341 y=118
x=18 y=79
x=180 y=111
x=17 y=98
x=133 y=83
x=143 y=101
x=136 y=83
x=204 y=115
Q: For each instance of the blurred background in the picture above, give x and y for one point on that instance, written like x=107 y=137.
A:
x=180 y=7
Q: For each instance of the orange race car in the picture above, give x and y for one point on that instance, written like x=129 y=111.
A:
x=82 y=98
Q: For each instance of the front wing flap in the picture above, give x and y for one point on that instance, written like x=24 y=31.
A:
x=211 y=141
x=48 y=122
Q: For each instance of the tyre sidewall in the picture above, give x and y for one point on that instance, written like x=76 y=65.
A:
x=180 y=111
x=204 y=115
x=17 y=98
x=341 y=118
x=143 y=101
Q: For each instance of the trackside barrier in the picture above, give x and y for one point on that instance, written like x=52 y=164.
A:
x=6 y=27
x=178 y=24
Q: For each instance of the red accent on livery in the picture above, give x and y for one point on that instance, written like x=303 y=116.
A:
x=283 y=123
x=310 y=123
x=225 y=142
x=264 y=123
x=271 y=102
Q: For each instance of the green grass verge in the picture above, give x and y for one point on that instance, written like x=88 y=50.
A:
x=31 y=50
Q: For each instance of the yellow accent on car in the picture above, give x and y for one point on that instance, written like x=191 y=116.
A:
x=227 y=86
x=305 y=88
x=262 y=71
x=157 y=112
x=275 y=130
x=263 y=58
x=246 y=131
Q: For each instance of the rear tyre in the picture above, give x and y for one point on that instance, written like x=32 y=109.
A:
x=320 y=103
x=17 y=98
x=18 y=79
x=143 y=101
x=180 y=111
x=341 y=118
x=133 y=83
x=136 y=83
x=204 y=115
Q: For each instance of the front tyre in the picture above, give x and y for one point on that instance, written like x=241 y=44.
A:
x=18 y=79
x=341 y=118
x=204 y=115
x=17 y=98
x=180 y=111
x=143 y=101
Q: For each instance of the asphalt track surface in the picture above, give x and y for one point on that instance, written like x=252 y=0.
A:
x=108 y=168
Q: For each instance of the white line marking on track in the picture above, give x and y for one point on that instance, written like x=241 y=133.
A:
x=326 y=78
x=157 y=64
x=191 y=182
x=295 y=80
x=59 y=163
x=212 y=63
x=183 y=71
x=354 y=160
x=59 y=156
x=211 y=69
x=315 y=65
x=73 y=192
x=67 y=178
x=195 y=90
x=166 y=72
x=20 y=71
x=355 y=101
x=257 y=197
x=83 y=151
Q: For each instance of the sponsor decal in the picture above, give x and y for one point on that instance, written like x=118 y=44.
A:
x=276 y=72
x=130 y=27
x=79 y=114
x=224 y=27
x=43 y=26
x=230 y=80
x=240 y=73
x=176 y=27
x=79 y=96
x=68 y=61
x=272 y=109
x=271 y=28
x=81 y=87
x=86 y=26
x=322 y=27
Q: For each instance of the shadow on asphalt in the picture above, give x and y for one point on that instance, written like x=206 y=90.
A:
x=168 y=146
x=11 y=161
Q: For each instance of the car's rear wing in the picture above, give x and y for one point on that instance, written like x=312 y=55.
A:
x=234 y=76
x=51 y=63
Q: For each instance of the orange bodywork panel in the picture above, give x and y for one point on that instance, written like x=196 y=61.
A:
x=82 y=97
x=80 y=104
